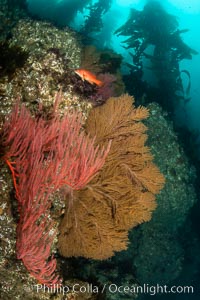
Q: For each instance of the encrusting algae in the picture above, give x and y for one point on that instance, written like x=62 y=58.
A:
x=122 y=194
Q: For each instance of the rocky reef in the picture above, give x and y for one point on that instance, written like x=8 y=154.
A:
x=50 y=57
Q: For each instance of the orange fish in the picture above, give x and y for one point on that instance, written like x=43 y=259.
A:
x=88 y=76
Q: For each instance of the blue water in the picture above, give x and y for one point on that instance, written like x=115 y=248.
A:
x=73 y=12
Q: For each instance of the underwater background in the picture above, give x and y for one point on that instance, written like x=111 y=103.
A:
x=94 y=50
x=114 y=14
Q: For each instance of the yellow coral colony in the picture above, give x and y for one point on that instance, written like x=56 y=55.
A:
x=122 y=194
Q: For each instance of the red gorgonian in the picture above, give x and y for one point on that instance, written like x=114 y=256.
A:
x=43 y=156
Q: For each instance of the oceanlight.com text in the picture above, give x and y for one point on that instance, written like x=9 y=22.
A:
x=151 y=289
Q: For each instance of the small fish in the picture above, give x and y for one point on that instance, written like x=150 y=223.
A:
x=88 y=76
